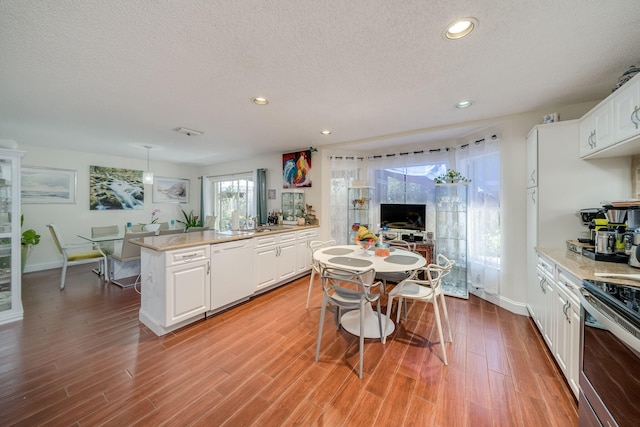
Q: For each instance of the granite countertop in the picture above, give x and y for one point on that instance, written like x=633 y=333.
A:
x=170 y=242
x=584 y=268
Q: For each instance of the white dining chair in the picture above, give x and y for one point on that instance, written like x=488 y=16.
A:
x=106 y=230
x=396 y=277
x=349 y=290
x=315 y=266
x=423 y=290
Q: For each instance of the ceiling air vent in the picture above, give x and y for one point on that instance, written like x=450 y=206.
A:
x=188 y=132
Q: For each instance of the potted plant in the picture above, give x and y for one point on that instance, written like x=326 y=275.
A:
x=153 y=225
x=452 y=176
x=190 y=220
x=29 y=239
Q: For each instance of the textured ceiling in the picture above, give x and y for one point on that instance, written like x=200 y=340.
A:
x=113 y=76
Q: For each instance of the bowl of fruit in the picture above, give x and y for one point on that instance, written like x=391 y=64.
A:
x=365 y=239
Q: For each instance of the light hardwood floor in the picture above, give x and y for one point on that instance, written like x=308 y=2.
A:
x=80 y=357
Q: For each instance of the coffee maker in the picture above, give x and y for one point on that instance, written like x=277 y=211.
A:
x=632 y=236
x=607 y=235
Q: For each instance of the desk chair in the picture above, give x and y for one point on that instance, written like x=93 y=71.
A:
x=422 y=290
x=209 y=222
x=349 y=290
x=315 y=266
x=128 y=254
x=78 y=253
x=164 y=226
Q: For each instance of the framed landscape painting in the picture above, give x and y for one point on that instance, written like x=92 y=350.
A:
x=115 y=188
x=47 y=185
x=170 y=190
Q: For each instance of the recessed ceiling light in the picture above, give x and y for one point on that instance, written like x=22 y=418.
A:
x=460 y=28
x=464 y=104
x=326 y=132
x=260 y=101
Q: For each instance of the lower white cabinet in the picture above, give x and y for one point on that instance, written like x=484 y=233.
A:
x=176 y=287
x=305 y=237
x=555 y=308
x=231 y=273
x=274 y=259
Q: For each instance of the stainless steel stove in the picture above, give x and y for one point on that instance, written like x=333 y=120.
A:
x=609 y=354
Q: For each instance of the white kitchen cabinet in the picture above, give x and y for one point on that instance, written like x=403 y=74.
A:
x=596 y=130
x=544 y=301
x=303 y=260
x=274 y=259
x=626 y=107
x=10 y=273
x=231 y=273
x=612 y=127
x=570 y=323
x=176 y=287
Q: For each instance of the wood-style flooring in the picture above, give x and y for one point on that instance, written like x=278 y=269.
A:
x=80 y=357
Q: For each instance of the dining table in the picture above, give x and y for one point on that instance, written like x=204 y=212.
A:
x=354 y=258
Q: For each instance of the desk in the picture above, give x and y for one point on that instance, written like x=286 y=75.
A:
x=351 y=257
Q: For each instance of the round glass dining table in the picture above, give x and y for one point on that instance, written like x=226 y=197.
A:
x=353 y=257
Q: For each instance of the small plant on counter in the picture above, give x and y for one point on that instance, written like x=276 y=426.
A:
x=190 y=220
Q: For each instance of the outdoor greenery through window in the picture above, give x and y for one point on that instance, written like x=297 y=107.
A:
x=222 y=195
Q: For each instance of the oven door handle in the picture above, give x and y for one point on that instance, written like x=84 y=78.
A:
x=612 y=326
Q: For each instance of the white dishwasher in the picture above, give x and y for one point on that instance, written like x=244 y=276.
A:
x=231 y=273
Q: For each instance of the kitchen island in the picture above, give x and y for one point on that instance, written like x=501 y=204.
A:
x=188 y=276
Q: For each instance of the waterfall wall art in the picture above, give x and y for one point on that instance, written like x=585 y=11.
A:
x=115 y=188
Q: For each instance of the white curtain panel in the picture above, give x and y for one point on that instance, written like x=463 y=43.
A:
x=480 y=162
x=344 y=170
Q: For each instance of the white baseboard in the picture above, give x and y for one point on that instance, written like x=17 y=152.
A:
x=502 y=302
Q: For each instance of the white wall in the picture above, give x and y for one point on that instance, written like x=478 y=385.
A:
x=74 y=219
x=273 y=165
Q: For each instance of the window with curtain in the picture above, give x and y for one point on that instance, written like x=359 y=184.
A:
x=227 y=193
x=408 y=178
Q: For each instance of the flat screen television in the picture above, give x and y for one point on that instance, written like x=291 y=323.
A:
x=403 y=216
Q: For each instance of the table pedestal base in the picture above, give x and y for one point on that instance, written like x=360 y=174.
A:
x=351 y=323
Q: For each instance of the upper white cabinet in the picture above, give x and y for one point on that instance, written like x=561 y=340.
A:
x=612 y=128
x=596 y=130
x=626 y=108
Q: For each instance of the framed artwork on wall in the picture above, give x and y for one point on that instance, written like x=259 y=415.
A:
x=296 y=169
x=47 y=185
x=115 y=188
x=170 y=190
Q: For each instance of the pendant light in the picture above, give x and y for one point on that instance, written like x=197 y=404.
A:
x=147 y=176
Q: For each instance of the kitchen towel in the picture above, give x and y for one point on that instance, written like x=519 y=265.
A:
x=234 y=220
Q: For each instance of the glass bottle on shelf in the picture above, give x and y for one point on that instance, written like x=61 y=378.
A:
x=451 y=235
x=10 y=248
x=292 y=206
x=360 y=210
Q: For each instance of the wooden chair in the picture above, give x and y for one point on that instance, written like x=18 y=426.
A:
x=423 y=290
x=349 y=290
x=78 y=253
x=315 y=267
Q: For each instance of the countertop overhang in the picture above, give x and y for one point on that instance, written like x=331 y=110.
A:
x=171 y=242
x=585 y=268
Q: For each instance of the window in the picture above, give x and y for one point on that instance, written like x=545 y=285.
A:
x=222 y=195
